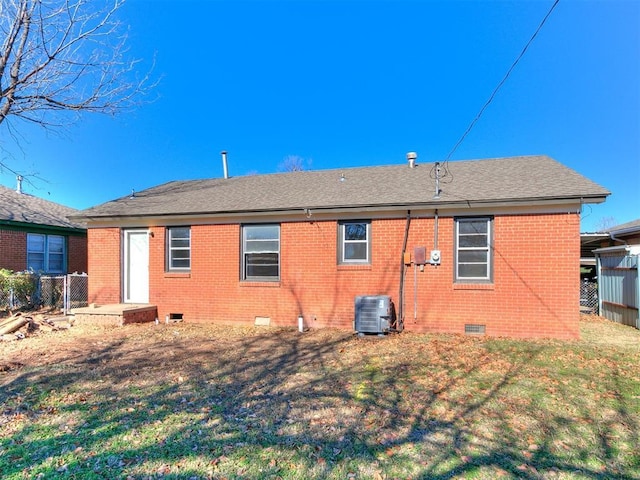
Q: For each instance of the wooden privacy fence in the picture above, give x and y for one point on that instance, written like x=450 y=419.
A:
x=618 y=285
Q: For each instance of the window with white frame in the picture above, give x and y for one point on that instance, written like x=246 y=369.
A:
x=179 y=248
x=261 y=252
x=473 y=262
x=354 y=244
x=46 y=253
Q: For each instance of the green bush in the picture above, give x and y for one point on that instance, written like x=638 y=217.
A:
x=4 y=288
x=23 y=285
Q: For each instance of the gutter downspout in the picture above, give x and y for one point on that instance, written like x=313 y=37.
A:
x=616 y=239
x=400 y=326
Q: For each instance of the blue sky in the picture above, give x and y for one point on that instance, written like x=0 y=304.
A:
x=355 y=83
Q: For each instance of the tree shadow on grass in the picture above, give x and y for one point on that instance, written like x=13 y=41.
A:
x=276 y=403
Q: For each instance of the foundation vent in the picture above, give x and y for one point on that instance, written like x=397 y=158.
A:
x=474 y=329
x=174 y=317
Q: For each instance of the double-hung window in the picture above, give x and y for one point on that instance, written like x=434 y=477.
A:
x=473 y=249
x=354 y=242
x=178 y=249
x=46 y=253
x=261 y=252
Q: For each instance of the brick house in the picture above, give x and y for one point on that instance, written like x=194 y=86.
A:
x=487 y=246
x=39 y=235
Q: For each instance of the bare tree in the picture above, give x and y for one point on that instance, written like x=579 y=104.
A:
x=59 y=58
x=605 y=224
x=293 y=163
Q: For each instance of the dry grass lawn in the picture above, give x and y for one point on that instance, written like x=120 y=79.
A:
x=198 y=401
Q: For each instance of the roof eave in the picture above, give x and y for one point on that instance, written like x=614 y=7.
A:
x=625 y=231
x=24 y=226
x=441 y=205
x=630 y=249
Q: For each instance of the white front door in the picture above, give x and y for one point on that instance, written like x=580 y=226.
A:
x=136 y=266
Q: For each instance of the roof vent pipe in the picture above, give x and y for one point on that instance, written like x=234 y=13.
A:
x=19 y=184
x=224 y=164
x=411 y=158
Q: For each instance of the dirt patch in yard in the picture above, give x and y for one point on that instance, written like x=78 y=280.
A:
x=44 y=346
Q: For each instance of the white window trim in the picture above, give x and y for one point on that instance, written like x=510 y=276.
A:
x=46 y=253
x=488 y=249
x=170 y=250
x=342 y=242
x=244 y=277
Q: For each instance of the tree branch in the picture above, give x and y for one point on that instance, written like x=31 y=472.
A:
x=65 y=56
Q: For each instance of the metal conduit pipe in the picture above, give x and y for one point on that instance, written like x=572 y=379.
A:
x=435 y=230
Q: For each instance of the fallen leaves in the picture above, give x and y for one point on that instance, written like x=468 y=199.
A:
x=242 y=400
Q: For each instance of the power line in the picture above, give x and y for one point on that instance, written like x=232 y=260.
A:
x=504 y=79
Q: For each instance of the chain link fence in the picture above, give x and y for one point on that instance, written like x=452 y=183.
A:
x=30 y=291
x=78 y=291
x=5 y=295
x=588 y=297
x=72 y=291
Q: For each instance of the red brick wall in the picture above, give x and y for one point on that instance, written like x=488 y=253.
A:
x=104 y=265
x=77 y=254
x=535 y=289
x=13 y=250
x=535 y=292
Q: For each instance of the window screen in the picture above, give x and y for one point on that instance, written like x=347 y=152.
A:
x=261 y=252
x=179 y=248
x=473 y=252
x=354 y=242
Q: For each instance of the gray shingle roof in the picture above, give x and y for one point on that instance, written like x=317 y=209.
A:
x=632 y=226
x=24 y=208
x=514 y=179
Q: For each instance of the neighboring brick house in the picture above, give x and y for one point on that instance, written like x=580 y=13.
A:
x=237 y=250
x=38 y=235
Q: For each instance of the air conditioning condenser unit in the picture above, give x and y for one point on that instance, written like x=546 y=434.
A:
x=373 y=314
